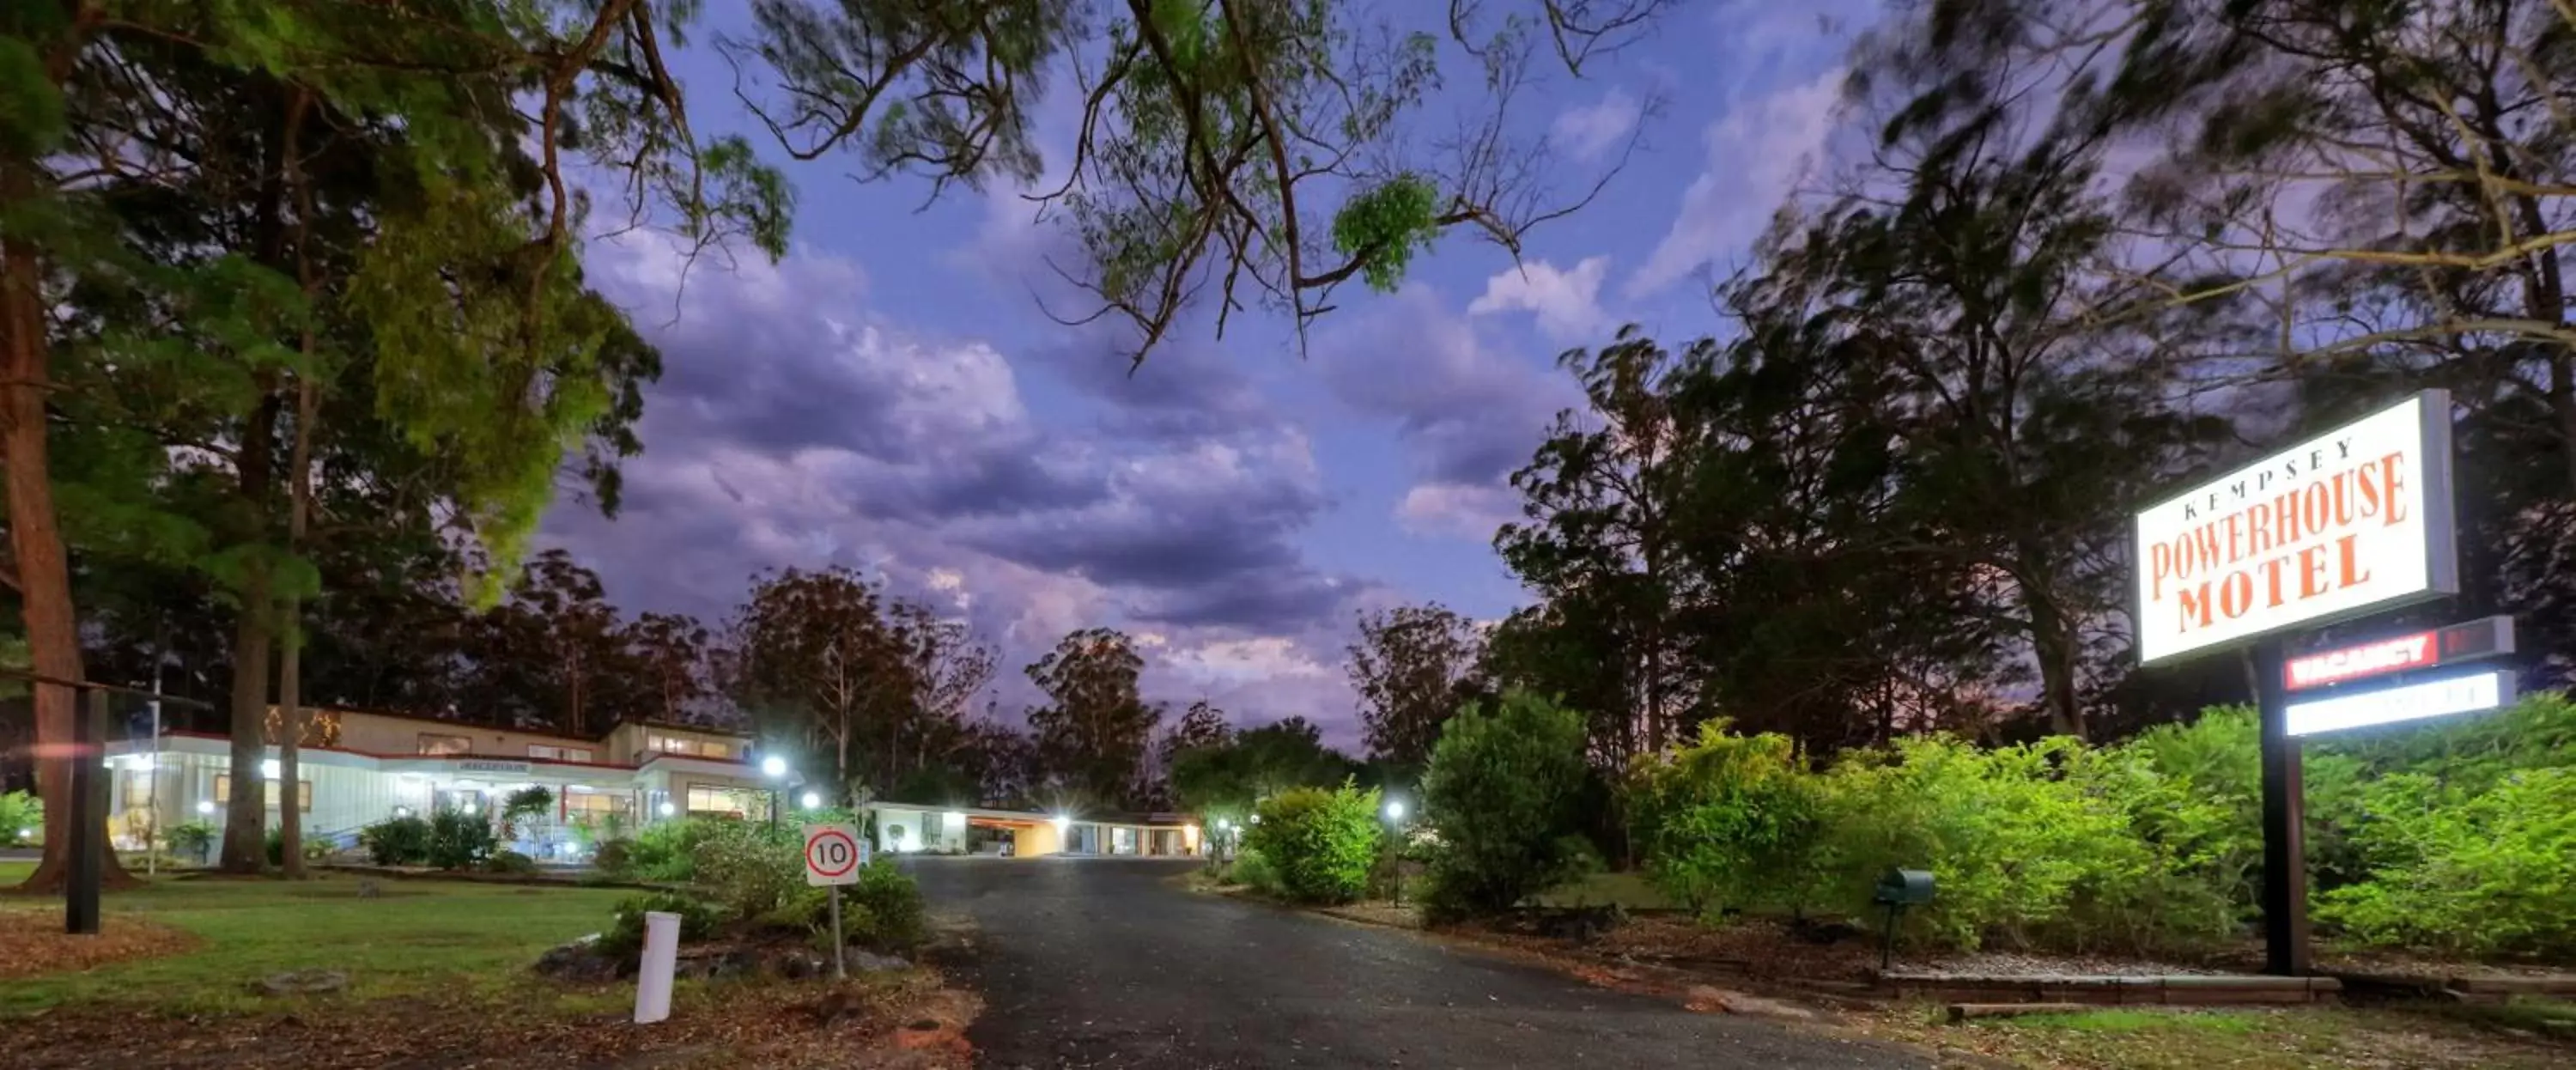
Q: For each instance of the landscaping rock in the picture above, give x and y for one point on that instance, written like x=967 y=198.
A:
x=579 y=960
x=797 y=966
x=1705 y=998
x=304 y=982
x=871 y=962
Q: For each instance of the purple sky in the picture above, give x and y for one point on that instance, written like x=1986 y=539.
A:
x=889 y=397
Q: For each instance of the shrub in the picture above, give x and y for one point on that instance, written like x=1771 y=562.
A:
x=884 y=910
x=527 y=802
x=1320 y=842
x=401 y=841
x=191 y=839
x=1730 y=823
x=746 y=868
x=667 y=850
x=616 y=858
x=458 y=840
x=1501 y=793
x=22 y=818
x=509 y=862
x=1253 y=868
x=2481 y=870
x=624 y=937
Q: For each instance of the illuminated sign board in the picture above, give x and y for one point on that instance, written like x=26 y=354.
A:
x=2459 y=642
x=2404 y=702
x=2356 y=519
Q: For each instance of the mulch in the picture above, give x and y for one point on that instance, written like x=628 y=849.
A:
x=1776 y=949
x=32 y=942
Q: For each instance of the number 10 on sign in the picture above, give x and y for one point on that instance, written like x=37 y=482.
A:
x=833 y=857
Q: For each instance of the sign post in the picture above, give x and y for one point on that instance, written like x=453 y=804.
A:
x=2350 y=523
x=833 y=856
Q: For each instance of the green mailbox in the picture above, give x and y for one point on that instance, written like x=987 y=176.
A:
x=1899 y=889
x=1905 y=888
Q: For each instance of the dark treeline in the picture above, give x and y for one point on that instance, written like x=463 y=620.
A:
x=2068 y=255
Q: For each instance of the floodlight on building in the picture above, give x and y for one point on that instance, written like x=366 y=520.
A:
x=268 y=768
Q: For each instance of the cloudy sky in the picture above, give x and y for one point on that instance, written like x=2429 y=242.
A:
x=890 y=397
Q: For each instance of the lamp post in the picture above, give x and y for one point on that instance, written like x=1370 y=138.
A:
x=1395 y=818
x=775 y=768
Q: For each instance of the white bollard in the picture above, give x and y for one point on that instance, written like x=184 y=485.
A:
x=661 y=957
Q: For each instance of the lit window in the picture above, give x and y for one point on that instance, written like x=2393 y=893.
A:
x=559 y=754
x=585 y=806
x=728 y=802
x=304 y=792
x=693 y=748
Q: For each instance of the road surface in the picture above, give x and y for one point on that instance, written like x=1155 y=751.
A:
x=1103 y=963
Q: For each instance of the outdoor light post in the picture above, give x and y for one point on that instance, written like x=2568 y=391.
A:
x=775 y=768
x=1395 y=818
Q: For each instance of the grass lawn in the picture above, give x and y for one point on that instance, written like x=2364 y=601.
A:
x=416 y=937
x=1628 y=890
x=13 y=872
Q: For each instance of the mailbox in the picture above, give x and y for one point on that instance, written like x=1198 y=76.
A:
x=1905 y=888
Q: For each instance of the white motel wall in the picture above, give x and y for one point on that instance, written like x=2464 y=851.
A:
x=357 y=769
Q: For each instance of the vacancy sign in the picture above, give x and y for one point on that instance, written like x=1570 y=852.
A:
x=2486 y=638
x=2356 y=519
x=833 y=854
x=2405 y=702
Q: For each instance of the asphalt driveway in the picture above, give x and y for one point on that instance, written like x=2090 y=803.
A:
x=1102 y=963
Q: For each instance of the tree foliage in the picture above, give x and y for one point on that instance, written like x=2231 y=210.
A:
x=1412 y=667
x=1501 y=794
x=1095 y=726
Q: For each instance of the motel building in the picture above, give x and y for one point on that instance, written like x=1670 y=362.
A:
x=356 y=769
x=905 y=828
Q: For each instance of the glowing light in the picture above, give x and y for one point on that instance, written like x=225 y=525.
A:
x=668 y=809
x=813 y=800
x=205 y=806
x=774 y=766
x=268 y=768
x=1395 y=809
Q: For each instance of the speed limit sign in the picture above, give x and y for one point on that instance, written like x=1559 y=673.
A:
x=833 y=854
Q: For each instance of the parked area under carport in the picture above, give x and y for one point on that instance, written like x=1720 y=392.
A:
x=915 y=829
x=1107 y=963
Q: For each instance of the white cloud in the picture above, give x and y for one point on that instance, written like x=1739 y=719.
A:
x=1587 y=131
x=1458 y=510
x=1568 y=303
x=1757 y=154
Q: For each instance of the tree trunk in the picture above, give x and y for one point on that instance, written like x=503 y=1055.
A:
x=290 y=671
x=36 y=544
x=246 y=813
x=2053 y=644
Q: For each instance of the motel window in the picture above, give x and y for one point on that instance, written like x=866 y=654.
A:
x=560 y=754
x=591 y=806
x=304 y=792
x=138 y=788
x=434 y=743
x=694 y=748
x=729 y=802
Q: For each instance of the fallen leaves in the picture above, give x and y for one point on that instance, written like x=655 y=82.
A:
x=33 y=942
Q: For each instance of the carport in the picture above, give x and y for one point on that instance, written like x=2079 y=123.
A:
x=908 y=828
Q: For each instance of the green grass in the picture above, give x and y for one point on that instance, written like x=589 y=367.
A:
x=417 y=936
x=1628 y=890
x=2134 y=1021
x=13 y=872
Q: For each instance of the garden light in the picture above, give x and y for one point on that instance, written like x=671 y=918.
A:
x=1223 y=824
x=773 y=766
x=268 y=768
x=1395 y=809
x=813 y=800
x=668 y=809
x=205 y=806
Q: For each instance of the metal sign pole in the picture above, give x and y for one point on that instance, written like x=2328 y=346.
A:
x=2285 y=855
x=840 y=968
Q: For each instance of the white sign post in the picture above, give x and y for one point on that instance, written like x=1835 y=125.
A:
x=833 y=857
x=653 y=975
